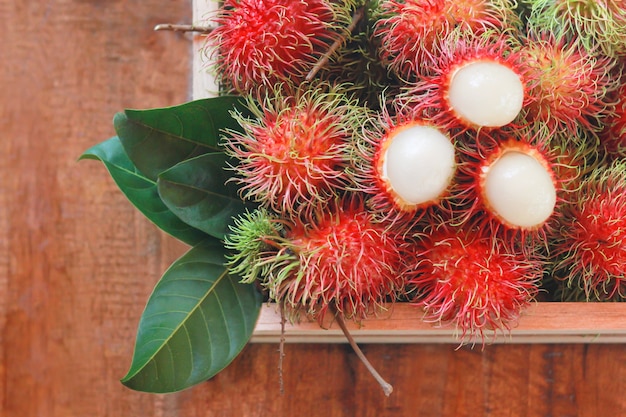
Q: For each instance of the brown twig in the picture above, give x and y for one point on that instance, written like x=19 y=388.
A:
x=356 y=17
x=183 y=28
x=387 y=388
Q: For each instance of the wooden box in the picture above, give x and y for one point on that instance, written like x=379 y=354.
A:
x=553 y=322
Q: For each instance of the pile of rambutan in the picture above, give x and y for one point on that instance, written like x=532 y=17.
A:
x=465 y=156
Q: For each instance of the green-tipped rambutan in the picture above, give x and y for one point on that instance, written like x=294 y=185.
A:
x=409 y=32
x=477 y=82
x=404 y=166
x=293 y=154
x=472 y=280
x=257 y=44
x=569 y=85
x=338 y=259
x=596 y=23
x=589 y=245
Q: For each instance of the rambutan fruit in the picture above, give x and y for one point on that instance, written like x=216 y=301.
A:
x=570 y=86
x=293 y=154
x=513 y=185
x=403 y=166
x=589 y=245
x=258 y=44
x=469 y=278
x=596 y=23
x=409 y=31
x=477 y=82
x=338 y=259
x=613 y=136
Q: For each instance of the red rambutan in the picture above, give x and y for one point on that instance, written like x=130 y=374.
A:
x=513 y=185
x=470 y=279
x=409 y=31
x=338 y=259
x=257 y=44
x=569 y=85
x=404 y=166
x=294 y=153
x=589 y=246
x=476 y=82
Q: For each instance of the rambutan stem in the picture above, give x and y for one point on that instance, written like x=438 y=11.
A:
x=183 y=28
x=387 y=388
x=356 y=17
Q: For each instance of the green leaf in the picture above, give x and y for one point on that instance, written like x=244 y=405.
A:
x=195 y=323
x=141 y=191
x=157 y=139
x=199 y=193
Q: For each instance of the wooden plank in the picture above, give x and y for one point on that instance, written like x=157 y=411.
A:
x=540 y=323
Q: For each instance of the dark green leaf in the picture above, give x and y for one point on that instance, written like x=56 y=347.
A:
x=141 y=191
x=198 y=191
x=195 y=323
x=158 y=139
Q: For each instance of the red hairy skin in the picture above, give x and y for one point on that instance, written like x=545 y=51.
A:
x=410 y=31
x=257 y=44
x=294 y=154
x=342 y=260
x=590 y=244
x=471 y=280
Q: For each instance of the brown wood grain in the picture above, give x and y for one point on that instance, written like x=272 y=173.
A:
x=78 y=262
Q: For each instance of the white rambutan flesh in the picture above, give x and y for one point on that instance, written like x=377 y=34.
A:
x=519 y=190
x=486 y=93
x=418 y=164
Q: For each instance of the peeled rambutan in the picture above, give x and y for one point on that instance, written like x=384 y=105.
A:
x=570 y=85
x=294 y=153
x=513 y=185
x=589 y=246
x=477 y=82
x=338 y=259
x=596 y=23
x=257 y=44
x=404 y=166
x=409 y=31
x=472 y=280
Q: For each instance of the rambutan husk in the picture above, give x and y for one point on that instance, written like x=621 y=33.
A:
x=409 y=32
x=596 y=23
x=471 y=279
x=258 y=45
x=292 y=156
x=589 y=244
x=559 y=166
x=569 y=85
x=613 y=136
x=430 y=96
x=422 y=178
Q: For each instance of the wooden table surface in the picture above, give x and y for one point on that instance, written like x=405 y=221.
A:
x=78 y=263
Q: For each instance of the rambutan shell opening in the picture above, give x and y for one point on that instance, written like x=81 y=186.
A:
x=418 y=164
x=519 y=190
x=486 y=93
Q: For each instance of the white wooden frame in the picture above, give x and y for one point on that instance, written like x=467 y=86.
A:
x=540 y=323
